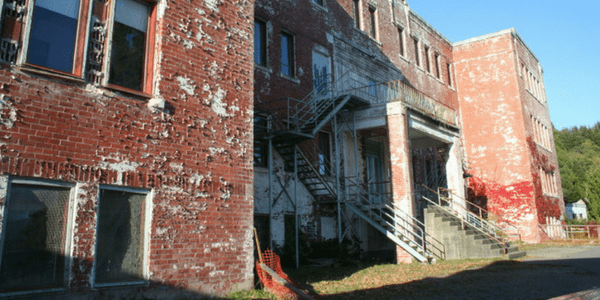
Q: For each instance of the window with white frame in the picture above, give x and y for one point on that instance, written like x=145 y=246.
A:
x=548 y=182
x=541 y=133
x=533 y=84
x=35 y=236
x=54 y=35
x=121 y=237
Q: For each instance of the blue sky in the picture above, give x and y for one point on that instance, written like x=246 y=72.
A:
x=564 y=36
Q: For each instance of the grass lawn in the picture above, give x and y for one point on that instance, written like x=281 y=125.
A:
x=385 y=281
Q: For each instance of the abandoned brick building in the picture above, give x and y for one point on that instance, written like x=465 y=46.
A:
x=126 y=148
x=368 y=120
x=127 y=127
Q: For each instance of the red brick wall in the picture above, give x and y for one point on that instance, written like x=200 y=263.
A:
x=196 y=156
x=497 y=131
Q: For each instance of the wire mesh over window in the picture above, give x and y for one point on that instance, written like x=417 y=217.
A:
x=33 y=248
x=120 y=241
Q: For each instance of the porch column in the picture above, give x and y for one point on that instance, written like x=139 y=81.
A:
x=400 y=165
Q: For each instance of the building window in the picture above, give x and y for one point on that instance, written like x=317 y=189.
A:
x=261 y=145
x=287 y=54
x=449 y=69
x=437 y=66
x=373 y=20
x=52 y=39
x=324 y=153
x=120 y=237
x=35 y=244
x=427 y=62
x=260 y=43
x=118 y=35
x=129 y=44
x=320 y=2
x=356 y=13
x=417 y=58
x=401 y=40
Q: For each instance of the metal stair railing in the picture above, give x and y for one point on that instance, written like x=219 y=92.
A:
x=316 y=173
x=483 y=214
x=393 y=219
x=468 y=218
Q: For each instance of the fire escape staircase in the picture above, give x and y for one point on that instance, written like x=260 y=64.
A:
x=296 y=123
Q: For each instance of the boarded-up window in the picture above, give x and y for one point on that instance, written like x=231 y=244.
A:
x=120 y=237
x=33 y=247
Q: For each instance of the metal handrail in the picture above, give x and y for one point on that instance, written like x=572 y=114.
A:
x=470 y=219
x=481 y=213
x=401 y=223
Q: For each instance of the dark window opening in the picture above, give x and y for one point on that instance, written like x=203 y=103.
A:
x=417 y=58
x=449 y=68
x=120 y=237
x=427 y=63
x=260 y=43
x=401 y=40
x=261 y=145
x=373 y=22
x=127 y=59
x=356 y=12
x=34 y=243
x=287 y=54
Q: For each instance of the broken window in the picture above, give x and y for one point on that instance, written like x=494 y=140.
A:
x=260 y=43
x=287 y=54
x=128 y=47
x=34 y=239
x=53 y=34
x=120 y=242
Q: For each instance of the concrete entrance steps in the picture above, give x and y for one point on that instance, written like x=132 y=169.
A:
x=461 y=240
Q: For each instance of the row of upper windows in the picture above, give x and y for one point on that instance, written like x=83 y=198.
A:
x=427 y=59
x=288 y=65
x=548 y=181
x=37 y=236
x=533 y=84
x=541 y=133
x=119 y=38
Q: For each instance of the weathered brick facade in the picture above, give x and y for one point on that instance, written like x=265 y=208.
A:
x=507 y=131
x=184 y=142
x=467 y=115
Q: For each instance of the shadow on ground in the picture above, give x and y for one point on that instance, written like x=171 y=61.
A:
x=499 y=280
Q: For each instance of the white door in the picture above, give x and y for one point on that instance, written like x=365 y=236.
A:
x=321 y=74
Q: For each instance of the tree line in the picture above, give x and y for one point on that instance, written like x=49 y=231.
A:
x=578 y=150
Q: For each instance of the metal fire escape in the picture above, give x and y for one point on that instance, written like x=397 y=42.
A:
x=294 y=126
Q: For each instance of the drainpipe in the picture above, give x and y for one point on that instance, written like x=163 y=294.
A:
x=296 y=203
